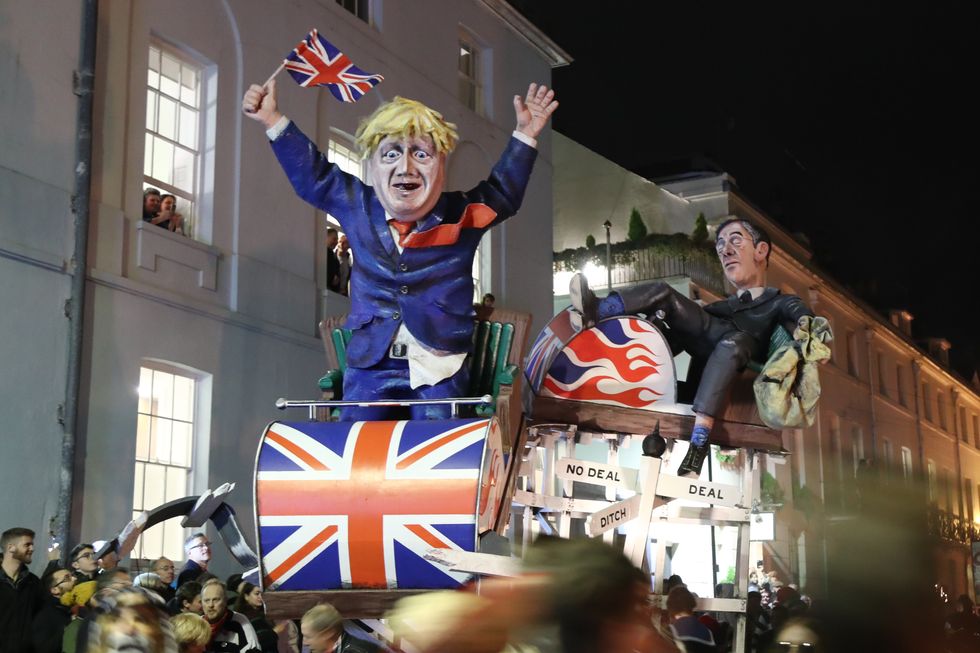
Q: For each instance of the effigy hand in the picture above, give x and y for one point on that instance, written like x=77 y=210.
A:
x=534 y=110
x=259 y=103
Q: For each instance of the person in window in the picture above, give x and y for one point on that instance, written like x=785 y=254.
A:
x=346 y=264
x=333 y=263
x=169 y=218
x=151 y=206
x=412 y=313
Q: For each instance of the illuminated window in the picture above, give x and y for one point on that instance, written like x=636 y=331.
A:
x=164 y=454
x=926 y=403
x=470 y=79
x=172 y=143
x=941 y=410
x=933 y=482
x=907 y=464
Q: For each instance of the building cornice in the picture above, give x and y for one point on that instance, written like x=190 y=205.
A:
x=522 y=27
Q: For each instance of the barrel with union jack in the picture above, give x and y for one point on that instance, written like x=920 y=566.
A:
x=356 y=505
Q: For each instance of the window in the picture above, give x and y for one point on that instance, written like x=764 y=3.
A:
x=926 y=404
x=857 y=447
x=882 y=384
x=172 y=154
x=941 y=410
x=932 y=481
x=340 y=152
x=949 y=489
x=470 y=79
x=164 y=453
x=976 y=430
x=903 y=397
x=887 y=454
x=357 y=7
x=907 y=464
x=852 y=354
x=968 y=498
x=964 y=435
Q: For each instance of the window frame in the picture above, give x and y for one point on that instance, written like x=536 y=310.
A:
x=476 y=80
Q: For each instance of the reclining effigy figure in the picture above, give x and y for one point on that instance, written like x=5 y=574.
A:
x=723 y=336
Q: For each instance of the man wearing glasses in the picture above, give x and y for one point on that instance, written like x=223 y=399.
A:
x=721 y=337
x=83 y=562
x=51 y=620
x=198 y=550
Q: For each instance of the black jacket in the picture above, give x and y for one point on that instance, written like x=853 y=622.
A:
x=760 y=317
x=49 y=625
x=20 y=600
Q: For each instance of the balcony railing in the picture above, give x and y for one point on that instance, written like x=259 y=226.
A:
x=652 y=263
x=952 y=528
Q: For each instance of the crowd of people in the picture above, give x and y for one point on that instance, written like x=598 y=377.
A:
x=574 y=596
x=93 y=605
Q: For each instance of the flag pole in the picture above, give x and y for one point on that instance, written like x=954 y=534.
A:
x=273 y=75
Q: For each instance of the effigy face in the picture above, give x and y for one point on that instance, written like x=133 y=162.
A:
x=357 y=505
x=622 y=361
x=408 y=175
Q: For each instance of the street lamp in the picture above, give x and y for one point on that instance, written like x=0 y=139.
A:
x=608 y=226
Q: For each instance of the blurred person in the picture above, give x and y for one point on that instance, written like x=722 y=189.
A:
x=129 y=620
x=249 y=603
x=757 y=622
x=346 y=264
x=488 y=300
x=188 y=598
x=197 y=548
x=152 y=582
x=963 y=627
x=83 y=562
x=797 y=636
x=685 y=625
x=191 y=632
x=674 y=581
x=231 y=632
x=53 y=617
x=333 y=263
x=21 y=593
x=232 y=583
x=323 y=632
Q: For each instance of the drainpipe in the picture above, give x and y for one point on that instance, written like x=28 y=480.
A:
x=869 y=335
x=957 y=428
x=81 y=192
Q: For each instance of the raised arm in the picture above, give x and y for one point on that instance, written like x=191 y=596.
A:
x=534 y=109
x=259 y=103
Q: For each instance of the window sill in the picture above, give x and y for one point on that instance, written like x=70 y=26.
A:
x=154 y=243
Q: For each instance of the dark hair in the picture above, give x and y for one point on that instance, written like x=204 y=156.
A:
x=150 y=191
x=187 y=592
x=12 y=534
x=47 y=579
x=166 y=195
x=758 y=234
x=680 y=601
x=233 y=582
x=331 y=231
x=243 y=606
x=106 y=578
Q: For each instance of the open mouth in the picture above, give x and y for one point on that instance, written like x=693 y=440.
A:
x=406 y=186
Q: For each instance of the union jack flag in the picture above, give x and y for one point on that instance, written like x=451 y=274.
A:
x=356 y=505
x=316 y=62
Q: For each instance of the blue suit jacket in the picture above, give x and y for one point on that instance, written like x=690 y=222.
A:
x=428 y=288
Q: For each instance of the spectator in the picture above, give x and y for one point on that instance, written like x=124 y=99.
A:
x=151 y=206
x=963 y=627
x=249 y=603
x=151 y=582
x=323 y=632
x=116 y=578
x=191 y=631
x=83 y=562
x=21 y=594
x=164 y=568
x=230 y=632
x=188 y=598
x=198 y=551
x=129 y=620
x=108 y=559
x=686 y=628
x=170 y=219
x=232 y=583
x=757 y=621
x=488 y=300
x=346 y=264
x=333 y=263
x=51 y=620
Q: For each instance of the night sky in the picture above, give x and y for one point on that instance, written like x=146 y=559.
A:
x=859 y=130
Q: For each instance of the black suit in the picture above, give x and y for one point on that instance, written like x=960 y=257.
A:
x=722 y=337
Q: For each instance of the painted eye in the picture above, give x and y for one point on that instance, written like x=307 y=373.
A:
x=391 y=155
x=422 y=155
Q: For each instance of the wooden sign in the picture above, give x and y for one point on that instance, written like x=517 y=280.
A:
x=613 y=516
x=584 y=471
x=684 y=488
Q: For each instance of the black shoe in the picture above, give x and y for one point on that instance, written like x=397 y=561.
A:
x=694 y=460
x=585 y=304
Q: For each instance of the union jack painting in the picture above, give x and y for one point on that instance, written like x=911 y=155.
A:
x=623 y=361
x=356 y=505
x=316 y=62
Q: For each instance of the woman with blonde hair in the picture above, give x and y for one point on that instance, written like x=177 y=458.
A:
x=191 y=631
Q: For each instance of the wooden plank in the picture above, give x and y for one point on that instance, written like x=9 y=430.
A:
x=616 y=419
x=352 y=604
